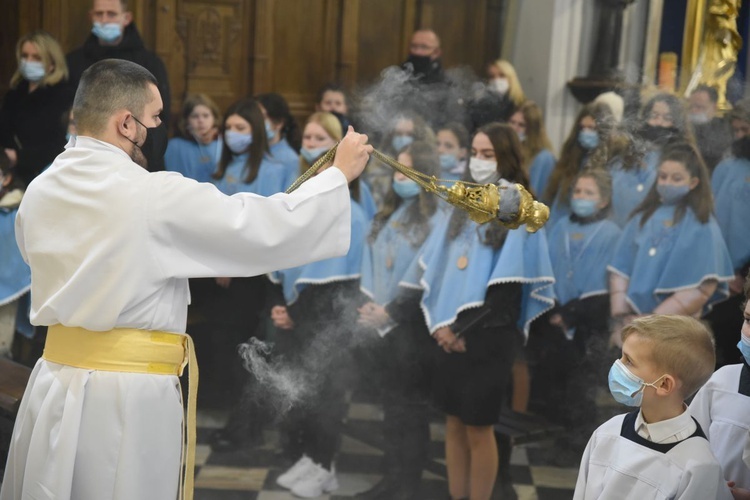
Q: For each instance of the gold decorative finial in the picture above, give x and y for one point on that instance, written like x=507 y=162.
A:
x=481 y=201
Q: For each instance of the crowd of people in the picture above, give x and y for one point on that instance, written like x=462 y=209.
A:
x=439 y=312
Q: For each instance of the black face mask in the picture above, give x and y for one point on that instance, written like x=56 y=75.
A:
x=657 y=135
x=420 y=65
x=154 y=145
x=741 y=148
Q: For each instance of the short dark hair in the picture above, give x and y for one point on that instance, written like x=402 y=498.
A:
x=107 y=87
x=332 y=87
x=713 y=95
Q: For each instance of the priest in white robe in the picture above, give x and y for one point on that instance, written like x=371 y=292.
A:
x=111 y=247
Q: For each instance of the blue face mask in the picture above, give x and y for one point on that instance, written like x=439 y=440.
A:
x=310 y=155
x=521 y=136
x=270 y=133
x=671 y=194
x=237 y=142
x=626 y=388
x=406 y=188
x=107 y=32
x=448 y=162
x=33 y=71
x=583 y=208
x=588 y=139
x=399 y=142
x=744 y=346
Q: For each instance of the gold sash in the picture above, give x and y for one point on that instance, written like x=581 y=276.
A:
x=134 y=351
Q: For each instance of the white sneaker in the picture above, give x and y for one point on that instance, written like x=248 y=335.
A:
x=296 y=472
x=316 y=482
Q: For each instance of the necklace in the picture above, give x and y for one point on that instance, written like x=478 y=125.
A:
x=586 y=243
x=206 y=155
x=655 y=242
x=466 y=236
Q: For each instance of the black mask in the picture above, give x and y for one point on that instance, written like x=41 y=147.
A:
x=741 y=148
x=657 y=135
x=419 y=65
x=154 y=145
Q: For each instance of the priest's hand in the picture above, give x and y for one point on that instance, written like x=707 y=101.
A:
x=738 y=493
x=281 y=319
x=352 y=154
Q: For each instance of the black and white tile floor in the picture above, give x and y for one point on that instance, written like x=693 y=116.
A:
x=251 y=474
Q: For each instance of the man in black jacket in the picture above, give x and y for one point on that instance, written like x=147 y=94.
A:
x=114 y=36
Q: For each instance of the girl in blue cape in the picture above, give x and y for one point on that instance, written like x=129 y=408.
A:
x=314 y=311
x=671 y=257
x=284 y=136
x=538 y=158
x=573 y=345
x=587 y=146
x=402 y=367
x=321 y=132
x=453 y=148
x=482 y=286
x=662 y=120
x=731 y=188
x=232 y=306
x=15 y=275
x=196 y=152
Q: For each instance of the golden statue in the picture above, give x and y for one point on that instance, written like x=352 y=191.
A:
x=481 y=201
x=721 y=44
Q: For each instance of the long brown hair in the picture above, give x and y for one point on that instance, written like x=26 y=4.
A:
x=248 y=110
x=699 y=199
x=424 y=158
x=572 y=154
x=536 y=139
x=510 y=167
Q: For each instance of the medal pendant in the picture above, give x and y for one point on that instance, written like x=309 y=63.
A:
x=205 y=159
x=389 y=263
x=652 y=251
x=640 y=187
x=462 y=262
x=570 y=274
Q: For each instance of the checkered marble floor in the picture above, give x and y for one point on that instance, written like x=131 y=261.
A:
x=251 y=474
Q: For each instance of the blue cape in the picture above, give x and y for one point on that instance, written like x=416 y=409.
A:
x=626 y=195
x=380 y=281
x=269 y=181
x=345 y=268
x=448 y=290
x=287 y=159
x=539 y=171
x=661 y=258
x=731 y=187
x=580 y=254
x=15 y=274
x=193 y=160
x=366 y=201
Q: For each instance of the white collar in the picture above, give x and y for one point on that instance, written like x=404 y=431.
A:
x=671 y=430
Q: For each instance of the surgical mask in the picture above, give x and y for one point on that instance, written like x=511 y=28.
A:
x=448 y=162
x=310 y=155
x=626 y=388
x=270 y=133
x=107 y=32
x=33 y=71
x=237 y=142
x=699 y=118
x=588 y=139
x=154 y=145
x=406 y=188
x=744 y=346
x=671 y=194
x=584 y=208
x=483 y=171
x=399 y=142
x=521 y=136
x=500 y=85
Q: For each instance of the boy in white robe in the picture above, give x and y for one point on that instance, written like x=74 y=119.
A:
x=658 y=451
x=722 y=408
x=111 y=247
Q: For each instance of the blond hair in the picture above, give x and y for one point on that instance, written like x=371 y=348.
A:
x=515 y=91
x=681 y=346
x=52 y=55
x=330 y=124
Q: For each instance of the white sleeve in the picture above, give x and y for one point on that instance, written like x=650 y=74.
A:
x=583 y=471
x=19 y=237
x=197 y=231
x=705 y=480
